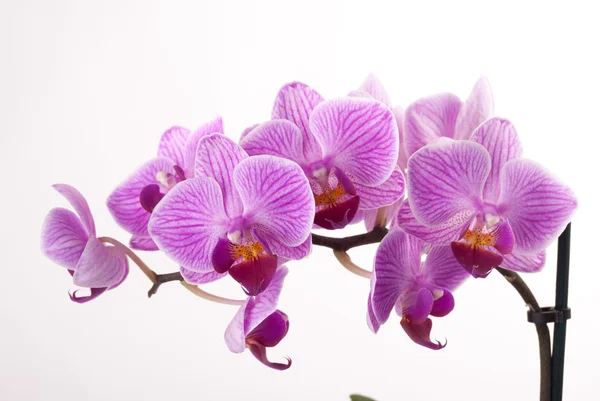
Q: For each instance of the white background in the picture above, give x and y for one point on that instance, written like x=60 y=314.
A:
x=87 y=88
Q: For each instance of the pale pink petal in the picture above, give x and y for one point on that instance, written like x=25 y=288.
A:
x=143 y=243
x=478 y=107
x=265 y=303
x=188 y=222
x=235 y=336
x=100 y=266
x=445 y=179
x=370 y=216
x=500 y=139
x=172 y=145
x=80 y=205
x=63 y=238
x=524 y=263
x=359 y=136
x=248 y=130
x=217 y=157
x=428 y=119
x=402 y=155
x=375 y=88
x=382 y=195
x=200 y=277
x=212 y=127
x=442 y=269
x=295 y=102
x=277 y=198
x=536 y=204
x=124 y=203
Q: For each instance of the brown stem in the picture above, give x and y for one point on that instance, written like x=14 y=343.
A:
x=542 y=330
x=346 y=243
x=164 y=278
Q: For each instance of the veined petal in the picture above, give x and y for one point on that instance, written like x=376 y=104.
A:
x=371 y=318
x=94 y=293
x=200 y=277
x=385 y=194
x=402 y=155
x=100 y=266
x=445 y=179
x=438 y=235
x=420 y=333
x=143 y=243
x=360 y=136
x=295 y=102
x=172 y=145
x=500 y=139
x=373 y=86
x=63 y=237
x=217 y=157
x=395 y=262
x=277 y=198
x=370 y=216
x=235 y=336
x=537 y=205
x=80 y=205
x=247 y=130
x=191 y=146
x=124 y=202
x=478 y=107
x=428 y=119
x=280 y=138
x=187 y=223
x=288 y=252
x=524 y=263
x=442 y=269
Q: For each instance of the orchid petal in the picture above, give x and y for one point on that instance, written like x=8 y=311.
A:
x=374 y=197
x=370 y=216
x=478 y=262
x=420 y=334
x=277 y=198
x=373 y=86
x=270 y=331
x=360 y=136
x=200 y=277
x=500 y=139
x=402 y=155
x=172 y=145
x=372 y=322
x=124 y=202
x=217 y=157
x=417 y=305
x=63 y=237
x=524 y=263
x=247 y=130
x=446 y=179
x=295 y=102
x=80 y=205
x=235 y=335
x=442 y=269
x=187 y=223
x=428 y=119
x=537 y=205
x=143 y=243
x=395 y=263
x=100 y=265
x=265 y=303
x=443 y=305
x=276 y=138
x=212 y=127
x=288 y=252
x=478 y=107
x=94 y=293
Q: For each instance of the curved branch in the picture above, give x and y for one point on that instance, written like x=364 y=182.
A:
x=542 y=331
x=345 y=261
x=164 y=278
x=346 y=243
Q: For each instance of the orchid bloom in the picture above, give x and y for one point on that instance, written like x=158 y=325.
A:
x=348 y=150
x=258 y=324
x=132 y=202
x=494 y=207
x=445 y=115
x=238 y=215
x=374 y=89
x=414 y=288
x=69 y=240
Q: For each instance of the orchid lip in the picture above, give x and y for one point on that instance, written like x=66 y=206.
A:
x=338 y=216
x=150 y=196
x=268 y=334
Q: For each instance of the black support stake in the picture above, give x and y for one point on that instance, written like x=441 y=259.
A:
x=560 y=326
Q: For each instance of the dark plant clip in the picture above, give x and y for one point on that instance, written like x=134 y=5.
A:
x=549 y=314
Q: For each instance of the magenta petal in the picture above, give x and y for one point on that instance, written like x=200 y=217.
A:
x=443 y=305
x=270 y=331
x=295 y=102
x=524 y=263
x=143 y=243
x=191 y=146
x=442 y=269
x=478 y=107
x=504 y=238
x=80 y=205
x=420 y=334
x=360 y=137
x=100 y=266
x=428 y=119
x=222 y=257
x=172 y=145
x=537 y=205
x=63 y=237
x=124 y=202
x=382 y=195
x=478 y=262
x=338 y=216
x=216 y=157
x=254 y=275
x=446 y=179
x=500 y=139
x=416 y=306
x=94 y=293
x=200 y=278
x=372 y=322
x=260 y=353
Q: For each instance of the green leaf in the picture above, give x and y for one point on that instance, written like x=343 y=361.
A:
x=357 y=397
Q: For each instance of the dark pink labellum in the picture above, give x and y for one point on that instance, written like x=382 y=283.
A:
x=417 y=305
x=255 y=274
x=443 y=305
x=94 y=293
x=150 y=196
x=345 y=181
x=222 y=258
x=268 y=334
x=338 y=216
x=478 y=261
x=420 y=333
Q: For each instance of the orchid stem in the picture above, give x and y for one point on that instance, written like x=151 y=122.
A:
x=211 y=297
x=542 y=331
x=345 y=261
x=164 y=278
x=134 y=258
x=346 y=243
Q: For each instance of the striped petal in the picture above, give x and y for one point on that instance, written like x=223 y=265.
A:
x=200 y=277
x=373 y=86
x=143 y=243
x=373 y=197
x=63 y=238
x=172 y=145
x=478 y=107
x=80 y=205
x=191 y=146
x=524 y=263
x=442 y=269
x=100 y=266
